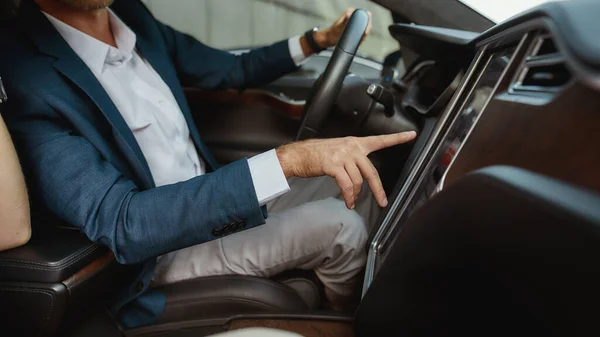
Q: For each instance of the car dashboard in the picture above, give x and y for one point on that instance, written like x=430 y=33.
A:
x=529 y=99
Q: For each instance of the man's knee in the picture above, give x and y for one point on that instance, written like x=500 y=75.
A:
x=352 y=230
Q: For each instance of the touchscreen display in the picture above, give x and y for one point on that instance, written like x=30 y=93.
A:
x=462 y=125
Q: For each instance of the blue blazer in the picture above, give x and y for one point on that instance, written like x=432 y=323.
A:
x=83 y=164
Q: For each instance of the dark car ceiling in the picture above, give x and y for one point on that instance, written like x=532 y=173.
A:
x=440 y=13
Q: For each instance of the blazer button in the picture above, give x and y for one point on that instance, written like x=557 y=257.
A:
x=139 y=286
x=217 y=232
x=240 y=225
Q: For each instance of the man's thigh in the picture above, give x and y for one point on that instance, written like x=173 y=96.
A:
x=307 y=236
x=303 y=190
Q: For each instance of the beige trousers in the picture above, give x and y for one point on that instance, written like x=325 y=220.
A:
x=308 y=228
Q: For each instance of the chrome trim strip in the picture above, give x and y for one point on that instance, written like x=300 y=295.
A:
x=357 y=59
x=3 y=97
x=282 y=97
x=539 y=42
x=327 y=53
x=544 y=60
x=513 y=60
x=392 y=215
x=454 y=115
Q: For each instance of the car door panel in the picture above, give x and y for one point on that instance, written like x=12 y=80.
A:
x=242 y=124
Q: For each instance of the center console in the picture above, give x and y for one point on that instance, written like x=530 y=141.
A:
x=452 y=128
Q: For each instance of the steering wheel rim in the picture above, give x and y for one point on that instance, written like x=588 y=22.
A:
x=327 y=88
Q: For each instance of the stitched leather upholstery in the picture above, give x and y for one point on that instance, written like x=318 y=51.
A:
x=223 y=296
x=43 y=260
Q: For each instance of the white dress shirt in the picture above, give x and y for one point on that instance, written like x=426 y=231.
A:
x=152 y=113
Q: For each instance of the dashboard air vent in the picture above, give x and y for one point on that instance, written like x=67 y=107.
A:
x=554 y=75
x=544 y=69
x=545 y=46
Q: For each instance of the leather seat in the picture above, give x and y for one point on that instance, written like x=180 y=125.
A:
x=224 y=296
x=257 y=332
x=51 y=278
x=59 y=272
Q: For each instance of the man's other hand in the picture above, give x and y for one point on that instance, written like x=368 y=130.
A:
x=329 y=37
x=344 y=159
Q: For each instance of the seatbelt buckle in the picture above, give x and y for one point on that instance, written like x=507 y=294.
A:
x=3 y=97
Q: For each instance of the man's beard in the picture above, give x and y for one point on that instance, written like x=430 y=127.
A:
x=87 y=4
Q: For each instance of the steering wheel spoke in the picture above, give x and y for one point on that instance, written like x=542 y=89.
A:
x=327 y=88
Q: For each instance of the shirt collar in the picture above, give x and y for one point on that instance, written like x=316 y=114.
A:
x=95 y=53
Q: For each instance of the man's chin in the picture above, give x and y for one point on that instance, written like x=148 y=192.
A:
x=87 y=5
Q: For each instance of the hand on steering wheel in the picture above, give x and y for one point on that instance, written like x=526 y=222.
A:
x=330 y=36
x=327 y=88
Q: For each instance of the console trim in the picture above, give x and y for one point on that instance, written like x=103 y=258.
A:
x=392 y=217
x=523 y=44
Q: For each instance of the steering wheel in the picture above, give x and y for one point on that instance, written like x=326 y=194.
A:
x=328 y=86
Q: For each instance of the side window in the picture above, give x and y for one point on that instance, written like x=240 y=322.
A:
x=242 y=24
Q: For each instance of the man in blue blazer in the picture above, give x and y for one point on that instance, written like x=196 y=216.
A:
x=108 y=144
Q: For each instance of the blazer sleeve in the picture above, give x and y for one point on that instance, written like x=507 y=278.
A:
x=201 y=66
x=70 y=177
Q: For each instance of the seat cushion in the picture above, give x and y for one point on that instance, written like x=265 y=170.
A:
x=227 y=296
x=307 y=289
x=43 y=260
x=257 y=332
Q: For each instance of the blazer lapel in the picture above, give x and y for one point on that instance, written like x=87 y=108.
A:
x=160 y=62
x=49 y=42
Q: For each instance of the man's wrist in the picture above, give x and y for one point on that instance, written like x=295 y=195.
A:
x=284 y=157
x=321 y=38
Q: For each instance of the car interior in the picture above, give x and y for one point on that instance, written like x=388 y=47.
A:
x=493 y=224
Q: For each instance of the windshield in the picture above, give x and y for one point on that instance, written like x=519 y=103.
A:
x=498 y=11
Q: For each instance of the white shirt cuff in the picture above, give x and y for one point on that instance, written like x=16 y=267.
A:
x=296 y=51
x=267 y=177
